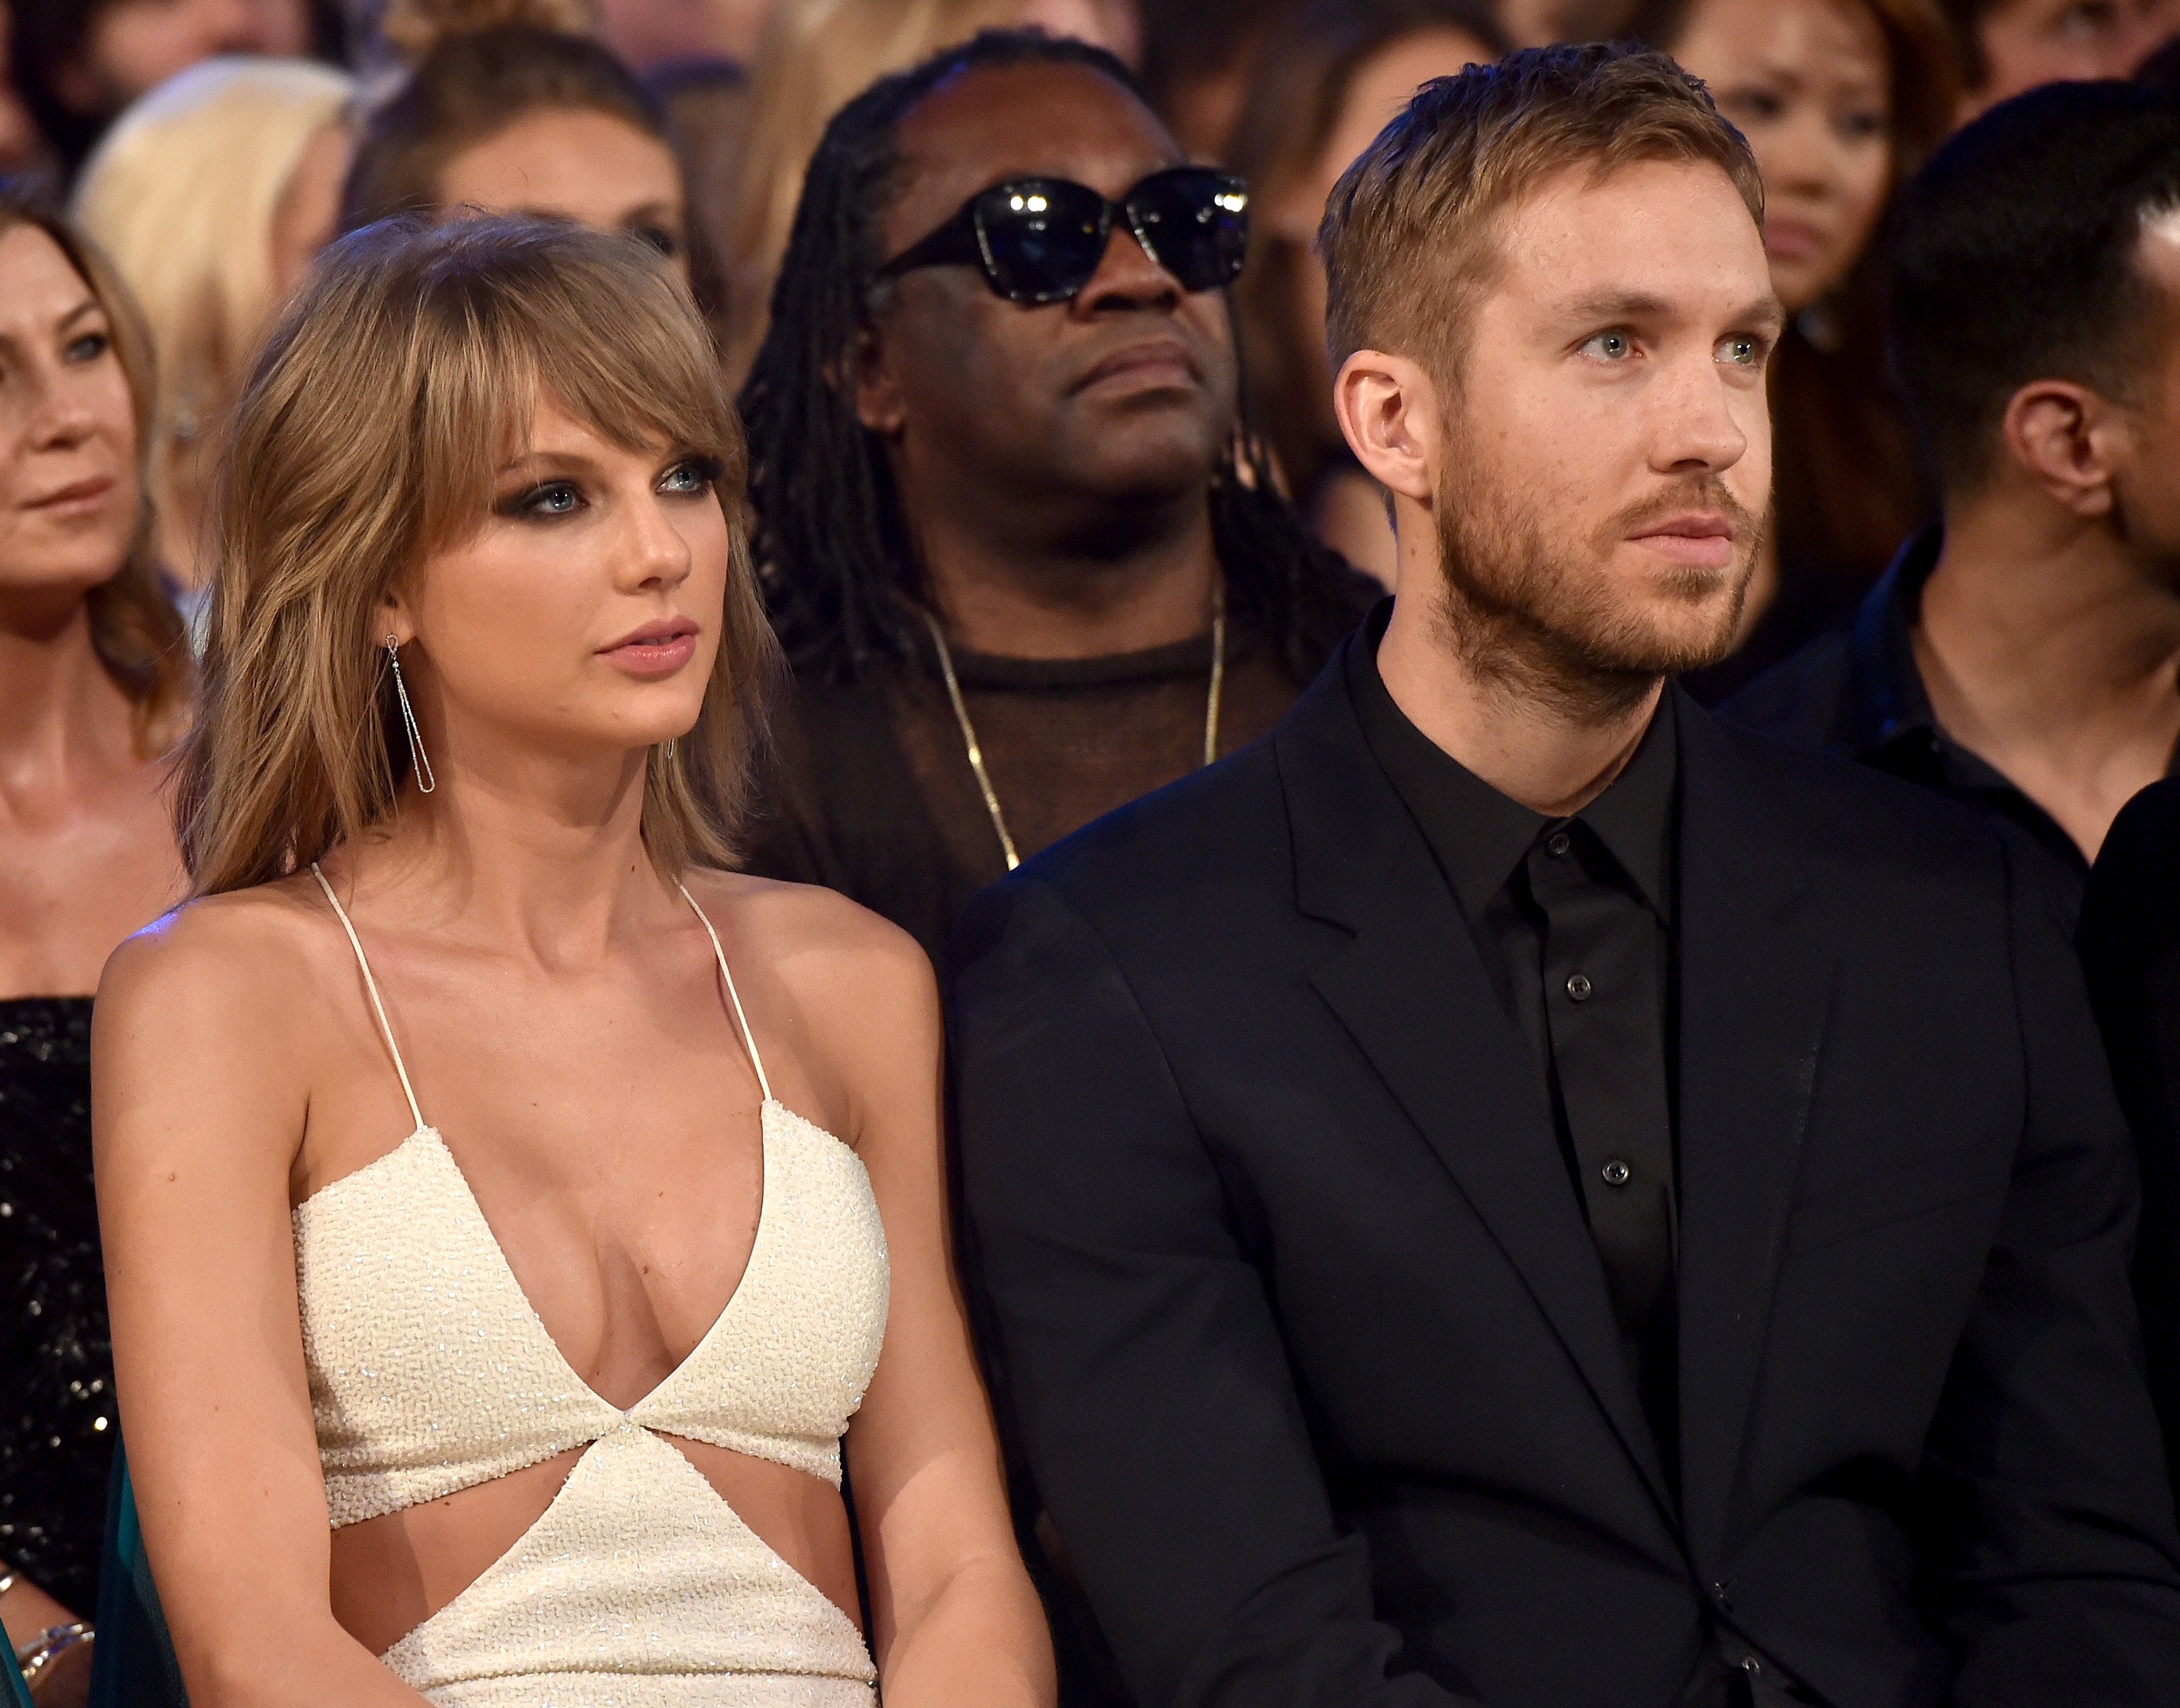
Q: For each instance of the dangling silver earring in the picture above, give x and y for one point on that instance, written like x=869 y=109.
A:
x=669 y=748
x=425 y=783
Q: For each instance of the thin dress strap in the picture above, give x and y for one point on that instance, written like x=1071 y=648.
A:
x=741 y=1019
x=371 y=985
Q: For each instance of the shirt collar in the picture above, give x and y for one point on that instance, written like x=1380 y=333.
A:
x=1479 y=834
x=1885 y=700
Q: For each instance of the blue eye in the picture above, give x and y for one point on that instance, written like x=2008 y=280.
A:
x=692 y=476
x=544 y=502
x=1611 y=347
x=89 y=347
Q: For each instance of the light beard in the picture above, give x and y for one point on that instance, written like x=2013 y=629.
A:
x=1536 y=619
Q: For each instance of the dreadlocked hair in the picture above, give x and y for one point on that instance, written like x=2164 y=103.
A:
x=839 y=575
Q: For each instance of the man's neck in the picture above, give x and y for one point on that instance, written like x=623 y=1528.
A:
x=2050 y=651
x=1090 y=594
x=1551 y=758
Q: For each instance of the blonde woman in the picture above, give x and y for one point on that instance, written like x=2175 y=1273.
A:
x=212 y=194
x=814 y=57
x=508 y=1206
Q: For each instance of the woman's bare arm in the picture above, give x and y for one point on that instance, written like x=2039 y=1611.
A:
x=198 y=1106
x=957 y=1623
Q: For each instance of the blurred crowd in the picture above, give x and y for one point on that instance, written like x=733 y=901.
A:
x=211 y=146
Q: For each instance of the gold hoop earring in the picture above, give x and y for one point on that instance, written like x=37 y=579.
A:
x=425 y=783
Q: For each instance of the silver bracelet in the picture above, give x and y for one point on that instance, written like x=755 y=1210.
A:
x=49 y=1646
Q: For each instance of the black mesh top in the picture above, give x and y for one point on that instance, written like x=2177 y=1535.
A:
x=871 y=791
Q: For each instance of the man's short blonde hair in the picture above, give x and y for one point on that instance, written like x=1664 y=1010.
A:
x=1406 y=237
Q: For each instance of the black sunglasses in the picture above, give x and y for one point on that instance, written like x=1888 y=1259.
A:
x=1041 y=239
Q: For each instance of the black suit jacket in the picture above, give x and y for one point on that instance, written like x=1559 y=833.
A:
x=1308 y=1347
x=2130 y=944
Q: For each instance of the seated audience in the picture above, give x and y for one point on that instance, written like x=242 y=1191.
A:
x=817 y=54
x=2006 y=47
x=1020 y=572
x=94 y=682
x=213 y=195
x=514 y=118
x=1840 y=100
x=1323 y=91
x=1512 y=1192
x=2023 y=658
x=79 y=62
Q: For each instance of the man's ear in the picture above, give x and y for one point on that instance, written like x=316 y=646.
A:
x=2065 y=437
x=1388 y=409
x=869 y=388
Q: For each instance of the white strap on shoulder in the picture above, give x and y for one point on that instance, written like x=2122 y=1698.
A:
x=741 y=1019
x=371 y=985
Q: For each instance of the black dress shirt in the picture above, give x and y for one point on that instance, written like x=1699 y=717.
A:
x=1574 y=918
x=1857 y=693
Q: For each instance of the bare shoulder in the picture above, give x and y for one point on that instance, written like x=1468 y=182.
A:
x=860 y=991
x=822 y=946
x=254 y=956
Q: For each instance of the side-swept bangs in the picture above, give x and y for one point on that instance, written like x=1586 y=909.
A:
x=370 y=437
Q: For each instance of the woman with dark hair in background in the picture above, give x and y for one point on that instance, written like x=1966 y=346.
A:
x=1840 y=100
x=95 y=685
x=1323 y=92
x=507 y=112
x=78 y=63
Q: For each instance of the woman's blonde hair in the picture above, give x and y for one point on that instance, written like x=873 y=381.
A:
x=814 y=57
x=368 y=438
x=182 y=194
x=134 y=628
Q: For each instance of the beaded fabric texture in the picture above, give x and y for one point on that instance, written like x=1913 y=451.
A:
x=431 y=1373
x=55 y=1360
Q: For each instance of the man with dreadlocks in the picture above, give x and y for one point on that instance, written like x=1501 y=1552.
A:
x=1026 y=559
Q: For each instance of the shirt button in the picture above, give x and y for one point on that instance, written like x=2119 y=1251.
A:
x=1579 y=988
x=1616 y=1173
x=1557 y=843
x=1753 y=1666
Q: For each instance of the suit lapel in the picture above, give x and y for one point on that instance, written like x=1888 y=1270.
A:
x=1412 y=990
x=1753 y=993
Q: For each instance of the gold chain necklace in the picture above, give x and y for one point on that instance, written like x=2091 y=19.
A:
x=976 y=749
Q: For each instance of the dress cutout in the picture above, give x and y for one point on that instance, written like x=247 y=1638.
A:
x=430 y=1373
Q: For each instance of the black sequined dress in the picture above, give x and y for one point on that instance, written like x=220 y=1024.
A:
x=55 y=1360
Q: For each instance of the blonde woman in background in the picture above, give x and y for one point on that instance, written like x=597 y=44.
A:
x=816 y=55
x=212 y=194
